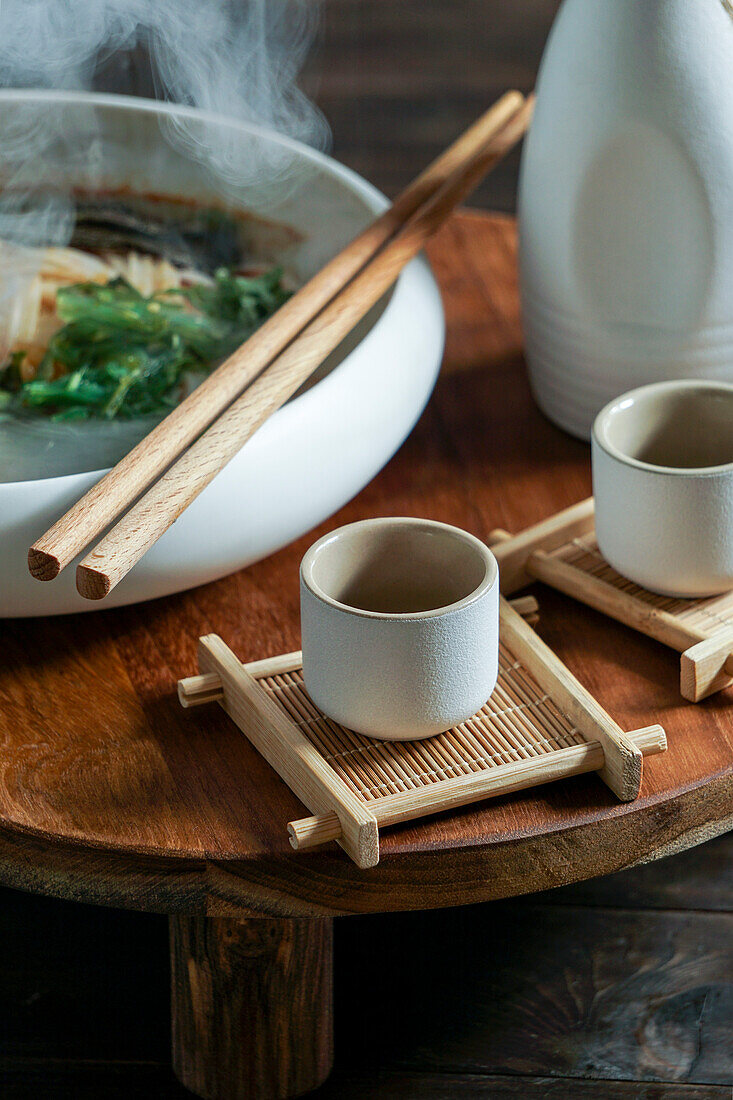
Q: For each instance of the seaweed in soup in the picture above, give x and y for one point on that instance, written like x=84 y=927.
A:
x=203 y=239
x=163 y=296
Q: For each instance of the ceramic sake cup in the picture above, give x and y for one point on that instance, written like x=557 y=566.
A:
x=400 y=626
x=663 y=486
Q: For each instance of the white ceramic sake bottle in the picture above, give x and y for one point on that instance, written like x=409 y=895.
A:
x=626 y=203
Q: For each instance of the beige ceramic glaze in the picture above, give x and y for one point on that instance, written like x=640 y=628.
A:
x=663 y=486
x=400 y=626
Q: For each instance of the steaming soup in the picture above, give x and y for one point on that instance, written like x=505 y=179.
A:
x=105 y=336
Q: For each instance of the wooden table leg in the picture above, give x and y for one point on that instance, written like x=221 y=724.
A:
x=252 y=1006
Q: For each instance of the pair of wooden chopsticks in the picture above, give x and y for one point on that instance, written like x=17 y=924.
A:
x=183 y=454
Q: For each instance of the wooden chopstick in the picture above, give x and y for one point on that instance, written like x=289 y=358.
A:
x=154 y=513
x=93 y=513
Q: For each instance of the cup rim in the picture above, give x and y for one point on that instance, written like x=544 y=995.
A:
x=600 y=438
x=489 y=580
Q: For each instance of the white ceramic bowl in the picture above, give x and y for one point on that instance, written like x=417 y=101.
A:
x=400 y=626
x=663 y=486
x=317 y=451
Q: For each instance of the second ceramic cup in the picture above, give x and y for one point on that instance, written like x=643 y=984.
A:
x=400 y=626
x=663 y=486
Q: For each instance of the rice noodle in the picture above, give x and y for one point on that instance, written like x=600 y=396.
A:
x=33 y=319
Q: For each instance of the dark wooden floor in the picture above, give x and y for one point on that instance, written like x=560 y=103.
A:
x=618 y=989
x=615 y=989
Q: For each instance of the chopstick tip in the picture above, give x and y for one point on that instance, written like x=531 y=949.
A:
x=90 y=584
x=42 y=565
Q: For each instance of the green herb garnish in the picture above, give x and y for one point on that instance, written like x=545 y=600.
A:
x=121 y=354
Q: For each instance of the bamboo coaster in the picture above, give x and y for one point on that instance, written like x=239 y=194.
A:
x=539 y=725
x=562 y=552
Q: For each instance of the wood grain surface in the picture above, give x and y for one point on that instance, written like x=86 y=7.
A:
x=395 y=81
x=90 y=1081
x=110 y=792
x=550 y=990
x=252 y=1006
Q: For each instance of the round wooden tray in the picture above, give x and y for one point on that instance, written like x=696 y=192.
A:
x=110 y=792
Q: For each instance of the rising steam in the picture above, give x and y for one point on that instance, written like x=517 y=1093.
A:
x=235 y=58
